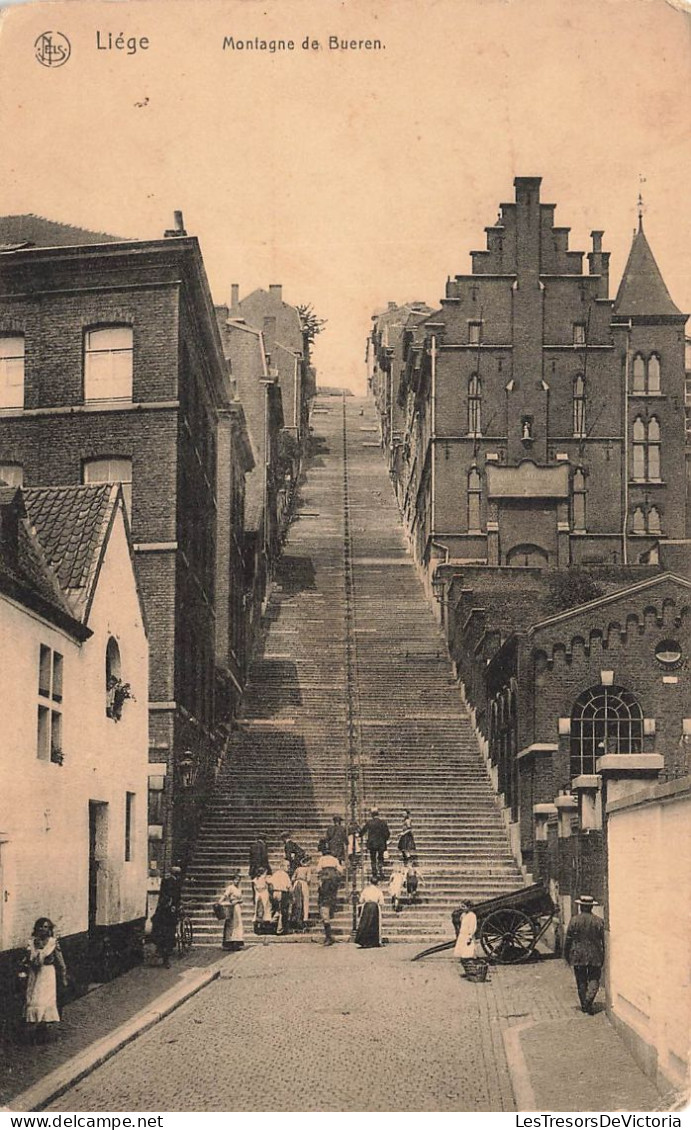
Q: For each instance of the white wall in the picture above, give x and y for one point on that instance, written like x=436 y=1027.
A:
x=649 y=945
x=44 y=807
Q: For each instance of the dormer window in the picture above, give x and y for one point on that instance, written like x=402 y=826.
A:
x=12 y=371
x=108 y=363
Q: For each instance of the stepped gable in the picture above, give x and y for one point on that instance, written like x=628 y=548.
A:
x=24 y=231
x=642 y=291
x=72 y=524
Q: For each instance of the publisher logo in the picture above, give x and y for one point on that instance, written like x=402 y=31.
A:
x=52 y=49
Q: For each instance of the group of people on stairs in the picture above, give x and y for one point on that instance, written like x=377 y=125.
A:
x=281 y=894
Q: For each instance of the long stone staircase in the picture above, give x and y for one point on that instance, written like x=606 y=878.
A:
x=352 y=703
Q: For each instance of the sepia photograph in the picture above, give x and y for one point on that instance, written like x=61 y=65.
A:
x=345 y=560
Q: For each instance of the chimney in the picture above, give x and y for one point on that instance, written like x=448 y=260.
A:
x=598 y=263
x=179 y=228
x=276 y=291
x=392 y=305
x=234 y=298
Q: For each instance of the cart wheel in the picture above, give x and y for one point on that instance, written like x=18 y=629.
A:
x=508 y=936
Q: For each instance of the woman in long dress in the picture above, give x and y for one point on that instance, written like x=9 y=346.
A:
x=300 y=911
x=368 y=933
x=262 y=903
x=46 y=966
x=406 y=839
x=233 y=931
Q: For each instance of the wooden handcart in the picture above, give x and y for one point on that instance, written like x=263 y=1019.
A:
x=509 y=926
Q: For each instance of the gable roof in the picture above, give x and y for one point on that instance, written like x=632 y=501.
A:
x=25 y=573
x=611 y=598
x=18 y=232
x=642 y=289
x=72 y=524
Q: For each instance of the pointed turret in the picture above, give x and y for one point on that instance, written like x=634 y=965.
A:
x=642 y=291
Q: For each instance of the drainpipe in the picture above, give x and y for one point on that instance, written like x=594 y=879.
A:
x=625 y=449
x=433 y=429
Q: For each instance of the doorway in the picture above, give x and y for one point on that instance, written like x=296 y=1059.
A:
x=98 y=853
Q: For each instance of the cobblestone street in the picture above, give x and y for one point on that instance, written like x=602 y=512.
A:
x=351 y=1030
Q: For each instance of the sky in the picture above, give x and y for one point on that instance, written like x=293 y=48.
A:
x=352 y=177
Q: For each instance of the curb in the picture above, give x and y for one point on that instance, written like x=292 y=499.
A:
x=39 y=1095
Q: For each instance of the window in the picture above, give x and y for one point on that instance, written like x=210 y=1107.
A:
x=579 y=333
x=578 y=500
x=639 y=449
x=49 y=732
x=108 y=363
x=646 y=450
x=129 y=825
x=639 y=373
x=604 y=720
x=474 y=333
x=12 y=371
x=474 y=501
x=12 y=474
x=111 y=470
x=474 y=406
x=654 y=526
x=639 y=520
x=579 y=407
x=654 y=374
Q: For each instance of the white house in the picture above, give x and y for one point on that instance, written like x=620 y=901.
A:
x=73 y=726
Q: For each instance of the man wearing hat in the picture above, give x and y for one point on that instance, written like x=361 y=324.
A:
x=584 y=949
x=378 y=836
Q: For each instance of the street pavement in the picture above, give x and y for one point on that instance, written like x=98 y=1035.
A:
x=307 y=1028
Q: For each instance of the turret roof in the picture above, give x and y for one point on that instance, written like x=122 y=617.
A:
x=642 y=289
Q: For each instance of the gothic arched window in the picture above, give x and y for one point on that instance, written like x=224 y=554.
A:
x=474 y=406
x=579 y=406
x=474 y=501
x=639 y=373
x=578 y=500
x=654 y=374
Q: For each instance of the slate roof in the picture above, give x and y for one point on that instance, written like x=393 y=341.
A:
x=30 y=576
x=642 y=290
x=72 y=524
x=20 y=232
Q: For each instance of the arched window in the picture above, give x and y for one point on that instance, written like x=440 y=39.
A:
x=604 y=720
x=111 y=470
x=654 y=374
x=474 y=406
x=639 y=373
x=639 y=520
x=639 y=450
x=474 y=501
x=12 y=371
x=579 y=406
x=108 y=363
x=654 y=449
x=578 y=500
x=654 y=526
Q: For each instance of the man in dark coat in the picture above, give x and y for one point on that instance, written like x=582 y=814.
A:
x=584 y=949
x=259 y=858
x=337 y=839
x=294 y=853
x=165 y=918
x=378 y=836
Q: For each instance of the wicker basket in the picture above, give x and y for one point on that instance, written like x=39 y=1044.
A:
x=475 y=968
x=222 y=910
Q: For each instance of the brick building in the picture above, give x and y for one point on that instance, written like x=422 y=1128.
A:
x=543 y=420
x=112 y=368
x=74 y=751
x=288 y=350
x=259 y=393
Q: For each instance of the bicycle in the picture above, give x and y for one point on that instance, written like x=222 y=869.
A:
x=184 y=933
